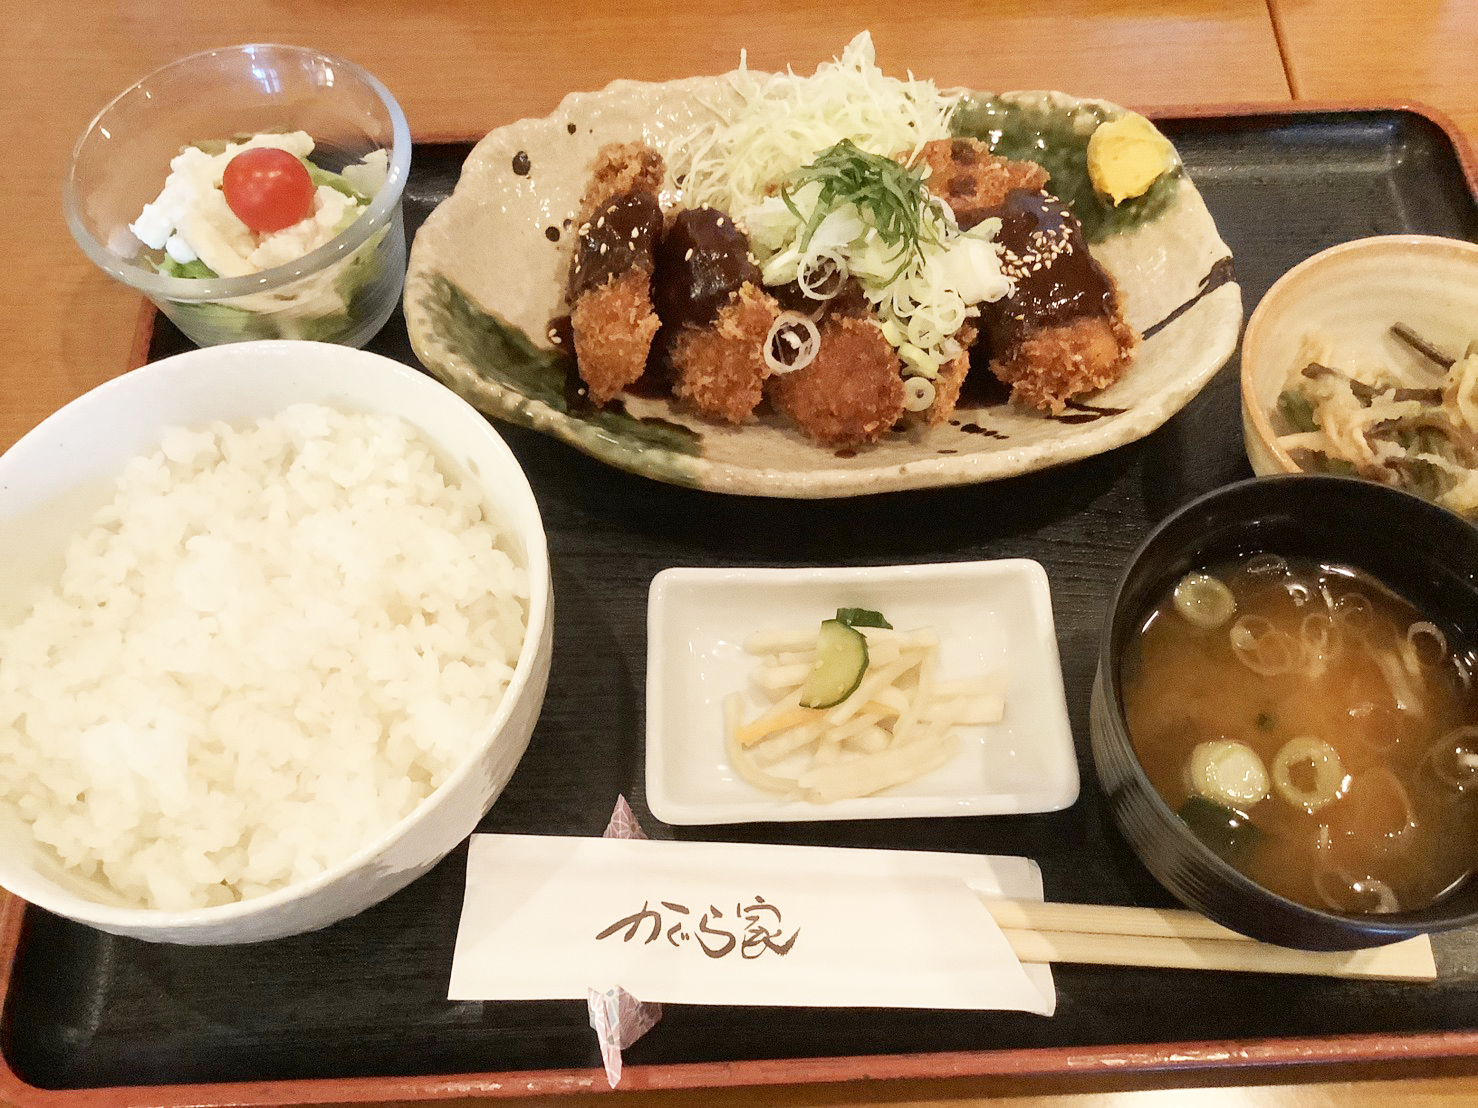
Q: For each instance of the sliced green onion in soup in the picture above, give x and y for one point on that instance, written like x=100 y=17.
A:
x=1204 y=601
x=1453 y=761
x=1229 y=773
x=1355 y=896
x=1353 y=612
x=1426 y=645
x=1308 y=773
x=1322 y=642
x=1263 y=648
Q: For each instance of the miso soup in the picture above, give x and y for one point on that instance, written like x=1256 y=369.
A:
x=1314 y=729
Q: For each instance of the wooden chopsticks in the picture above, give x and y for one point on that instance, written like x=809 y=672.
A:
x=1109 y=935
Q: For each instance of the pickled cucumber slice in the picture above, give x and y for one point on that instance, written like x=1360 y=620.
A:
x=841 y=660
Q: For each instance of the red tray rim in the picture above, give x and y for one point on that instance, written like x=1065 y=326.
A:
x=1068 y=1061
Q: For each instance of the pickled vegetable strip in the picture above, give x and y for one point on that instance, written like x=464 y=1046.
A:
x=896 y=723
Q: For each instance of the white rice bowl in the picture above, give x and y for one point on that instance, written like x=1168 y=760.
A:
x=337 y=711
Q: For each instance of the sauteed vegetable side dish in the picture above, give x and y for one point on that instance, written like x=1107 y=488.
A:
x=1415 y=430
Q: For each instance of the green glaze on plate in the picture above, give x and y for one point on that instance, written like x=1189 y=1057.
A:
x=488 y=269
x=501 y=354
x=1041 y=128
x=505 y=358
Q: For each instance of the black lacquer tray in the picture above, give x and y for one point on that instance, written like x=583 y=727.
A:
x=358 y=1011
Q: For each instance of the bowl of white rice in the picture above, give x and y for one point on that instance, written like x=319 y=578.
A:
x=275 y=629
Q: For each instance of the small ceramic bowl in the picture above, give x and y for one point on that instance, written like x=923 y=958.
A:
x=344 y=290
x=1353 y=293
x=55 y=478
x=1421 y=551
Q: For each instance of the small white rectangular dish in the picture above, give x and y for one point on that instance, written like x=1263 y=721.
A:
x=993 y=616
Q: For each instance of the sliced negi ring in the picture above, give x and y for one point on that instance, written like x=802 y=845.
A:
x=1308 y=773
x=1229 y=773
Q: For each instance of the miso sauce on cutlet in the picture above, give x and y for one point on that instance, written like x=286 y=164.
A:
x=702 y=261
x=620 y=237
x=1056 y=279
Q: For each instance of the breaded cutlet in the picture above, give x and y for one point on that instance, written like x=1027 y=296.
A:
x=1056 y=363
x=973 y=181
x=610 y=295
x=613 y=327
x=951 y=378
x=620 y=167
x=721 y=370
x=1062 y=330
x=852 y=392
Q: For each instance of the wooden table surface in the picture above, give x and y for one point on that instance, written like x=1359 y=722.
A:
x=461 y=68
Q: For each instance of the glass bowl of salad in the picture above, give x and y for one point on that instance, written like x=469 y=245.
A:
x=250 y=192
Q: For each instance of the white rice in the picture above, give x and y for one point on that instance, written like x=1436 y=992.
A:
x=268 y=649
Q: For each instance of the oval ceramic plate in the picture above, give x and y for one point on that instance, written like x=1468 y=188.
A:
x=488 y=267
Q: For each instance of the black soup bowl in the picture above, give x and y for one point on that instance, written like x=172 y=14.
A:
x=1420 y=551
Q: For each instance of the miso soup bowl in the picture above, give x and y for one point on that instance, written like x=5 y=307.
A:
x=1421 y=551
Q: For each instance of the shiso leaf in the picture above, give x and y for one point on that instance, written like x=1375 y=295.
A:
x=892 y=194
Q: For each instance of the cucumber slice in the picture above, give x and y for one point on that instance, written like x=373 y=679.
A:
x=841 y=660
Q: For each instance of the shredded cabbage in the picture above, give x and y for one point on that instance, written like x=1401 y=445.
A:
x=788 y=119
x=923 y=293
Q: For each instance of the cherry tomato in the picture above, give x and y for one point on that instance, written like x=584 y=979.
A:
x=267 y=188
